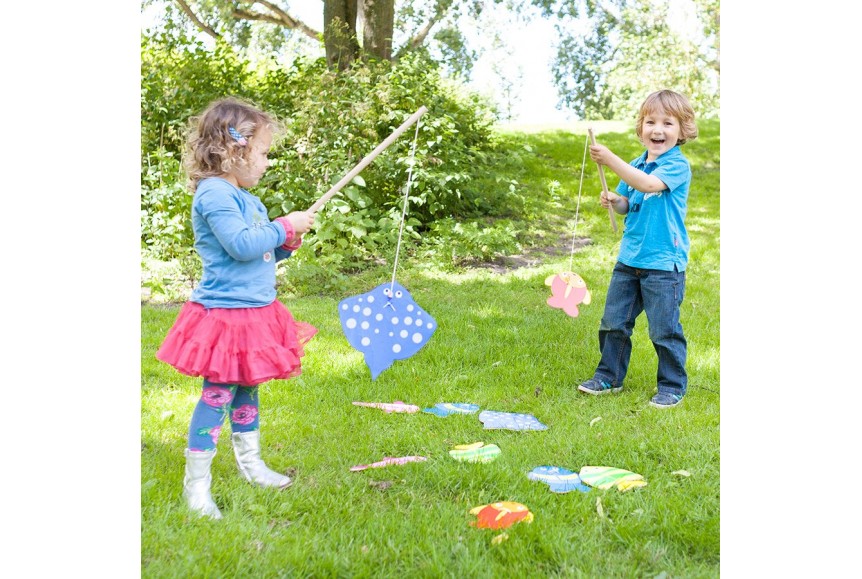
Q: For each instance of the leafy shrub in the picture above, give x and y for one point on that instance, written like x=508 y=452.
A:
x=332 y=121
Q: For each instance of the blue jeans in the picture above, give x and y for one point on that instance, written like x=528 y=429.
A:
x=660 y=294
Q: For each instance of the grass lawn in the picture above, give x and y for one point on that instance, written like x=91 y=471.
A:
x=501 y=347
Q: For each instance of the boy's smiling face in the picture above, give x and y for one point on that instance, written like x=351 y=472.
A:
x=659 y=133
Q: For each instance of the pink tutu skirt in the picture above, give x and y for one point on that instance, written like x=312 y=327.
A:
x=245 y=346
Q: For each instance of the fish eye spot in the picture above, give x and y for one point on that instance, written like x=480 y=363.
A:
x=398 y=294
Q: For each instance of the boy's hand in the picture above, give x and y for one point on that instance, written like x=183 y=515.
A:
x=601 y=154
x=301 y=221
x=608 y=199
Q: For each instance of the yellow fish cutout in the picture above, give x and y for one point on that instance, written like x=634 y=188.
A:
x=568 y=289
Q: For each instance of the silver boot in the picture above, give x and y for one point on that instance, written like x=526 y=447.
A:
x=246 y=447
x=196 y=483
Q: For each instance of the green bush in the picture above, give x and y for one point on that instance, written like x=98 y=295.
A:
x=332 y=121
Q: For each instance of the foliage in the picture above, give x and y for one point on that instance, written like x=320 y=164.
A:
x=630 y=50
x=332 y=121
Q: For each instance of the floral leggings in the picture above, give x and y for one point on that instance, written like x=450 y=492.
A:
x=217 y=400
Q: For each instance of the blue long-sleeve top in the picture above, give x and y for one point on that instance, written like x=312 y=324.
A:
x=238 y=245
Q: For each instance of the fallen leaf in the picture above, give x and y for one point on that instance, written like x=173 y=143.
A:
x=594 y=420
x=495 y=364
x=599 y=508
x=380 y=485
x=681 y=472
x=167 y=414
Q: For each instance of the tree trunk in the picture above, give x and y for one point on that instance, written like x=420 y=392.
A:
x=339 y=32
x=378 y=21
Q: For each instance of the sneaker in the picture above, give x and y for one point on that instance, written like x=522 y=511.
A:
x=665 y=400
x=593 y=386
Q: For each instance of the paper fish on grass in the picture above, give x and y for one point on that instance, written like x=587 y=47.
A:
x=568 y=289
x=604 y=477
x=476 y=452
x=389 y=460
x=500 y=515
x=560 y=480
x=447 y=408
x=385 y=324
x=396 y=406
x=509 y=421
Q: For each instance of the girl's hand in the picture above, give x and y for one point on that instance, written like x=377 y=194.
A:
x=301 y=221
x=608 y=199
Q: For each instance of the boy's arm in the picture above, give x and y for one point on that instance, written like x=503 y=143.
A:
x=634 y=177
x=618 y=202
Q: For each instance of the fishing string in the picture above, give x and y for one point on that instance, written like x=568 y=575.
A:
x=578 y=207
x=404 y=209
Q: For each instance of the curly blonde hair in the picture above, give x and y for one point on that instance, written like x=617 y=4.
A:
x=672 y=103
x=210 y=149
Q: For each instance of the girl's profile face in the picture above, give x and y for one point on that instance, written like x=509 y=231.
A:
x=248 y=173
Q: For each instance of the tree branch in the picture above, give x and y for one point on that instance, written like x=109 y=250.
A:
x=419 y=38
x=279 y=17
x=188 y=12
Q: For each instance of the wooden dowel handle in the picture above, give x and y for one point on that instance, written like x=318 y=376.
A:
x=604 y=182
x=367 y=160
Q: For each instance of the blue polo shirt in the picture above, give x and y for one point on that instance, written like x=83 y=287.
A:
x=238 y=245
x=655 y=236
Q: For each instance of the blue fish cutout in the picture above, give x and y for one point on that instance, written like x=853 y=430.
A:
x=385 y=324
x=443 y=409
x=559 y=479
x=492 y=419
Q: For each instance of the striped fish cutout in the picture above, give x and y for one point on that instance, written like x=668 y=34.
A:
x=604 y=477
x=476 y=452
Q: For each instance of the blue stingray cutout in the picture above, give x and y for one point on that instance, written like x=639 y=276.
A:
x=385 y=324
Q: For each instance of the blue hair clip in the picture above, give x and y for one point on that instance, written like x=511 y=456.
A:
x=237 y=136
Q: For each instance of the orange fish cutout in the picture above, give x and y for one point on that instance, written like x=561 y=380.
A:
x=500 y=515
x=568 y=289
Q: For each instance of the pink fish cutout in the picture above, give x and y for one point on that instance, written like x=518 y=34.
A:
x=396 y=406
x=388 y=461
x=568 y=289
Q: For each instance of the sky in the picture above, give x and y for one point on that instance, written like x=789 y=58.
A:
x=789 y=312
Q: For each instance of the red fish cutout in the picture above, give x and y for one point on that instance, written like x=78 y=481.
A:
x=500 y=515
x=568 y=289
